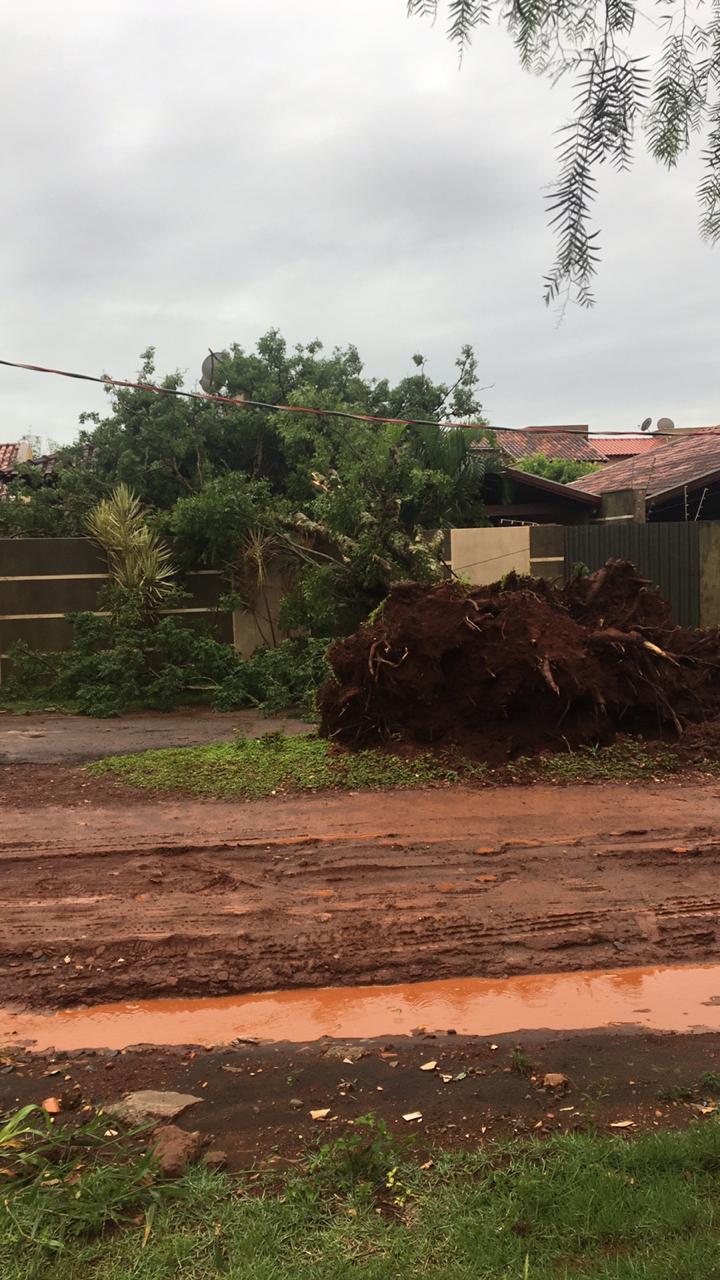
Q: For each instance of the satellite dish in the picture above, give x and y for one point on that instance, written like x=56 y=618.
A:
x=665 y=424
x=646 y=424
x=209 y=368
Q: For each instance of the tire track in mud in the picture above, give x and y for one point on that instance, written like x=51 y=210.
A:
x=82 y=921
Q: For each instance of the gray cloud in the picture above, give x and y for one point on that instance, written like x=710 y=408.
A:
x=189 y=175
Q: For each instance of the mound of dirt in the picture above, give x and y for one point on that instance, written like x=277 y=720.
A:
x=521 y=666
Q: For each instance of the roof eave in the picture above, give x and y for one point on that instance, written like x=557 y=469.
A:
x=710 y=477
x=554 y=487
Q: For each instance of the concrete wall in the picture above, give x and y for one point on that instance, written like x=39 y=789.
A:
x=43 y=579
x=623 y=505
x=709 y=573
x=547 y=551
x=257 y=628
x=485 y=555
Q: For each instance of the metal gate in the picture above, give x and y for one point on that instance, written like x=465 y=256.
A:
x=667 y=554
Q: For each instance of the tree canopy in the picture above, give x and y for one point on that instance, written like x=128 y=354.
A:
x=618 y=86
x=564 y=470
x=349 y=506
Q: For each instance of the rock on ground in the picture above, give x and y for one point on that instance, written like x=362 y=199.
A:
x=175 y=1149
x=151 y=1104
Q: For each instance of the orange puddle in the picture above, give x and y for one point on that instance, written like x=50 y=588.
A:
x=661 y=999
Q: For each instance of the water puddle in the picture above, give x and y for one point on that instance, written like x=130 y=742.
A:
x=659 y=999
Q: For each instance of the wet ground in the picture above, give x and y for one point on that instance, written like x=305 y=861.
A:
x=107 y=895
x=49 y=738
x=106 y=900
x=677 y=999
x=256 y=1100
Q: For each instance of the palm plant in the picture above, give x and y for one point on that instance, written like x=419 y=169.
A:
x=139 y=561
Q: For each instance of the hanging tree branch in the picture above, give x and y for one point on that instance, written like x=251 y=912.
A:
x=590 y=39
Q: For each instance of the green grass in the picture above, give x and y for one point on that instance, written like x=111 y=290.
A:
x=61 y=1185
x=573 y=1207
x=625 y=760
x=275 y=764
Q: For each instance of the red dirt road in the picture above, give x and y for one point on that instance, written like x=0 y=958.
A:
x=105 y=899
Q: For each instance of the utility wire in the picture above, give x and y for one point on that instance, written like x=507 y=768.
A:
x=241 y=402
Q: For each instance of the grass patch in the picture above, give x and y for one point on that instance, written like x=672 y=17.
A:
x=572 y=1207
x=625 y=760
x=677 y=1093
x=61 y=1186
x=275 y=764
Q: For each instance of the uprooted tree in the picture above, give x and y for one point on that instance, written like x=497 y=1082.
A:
x=521 y=666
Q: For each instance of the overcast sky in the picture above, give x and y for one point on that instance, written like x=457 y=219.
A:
x=188 y=174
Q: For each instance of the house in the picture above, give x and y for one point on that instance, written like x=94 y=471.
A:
x=620 y=447
x=11 y=457
x=571 y=443
x=517 y=497
x=679 y=481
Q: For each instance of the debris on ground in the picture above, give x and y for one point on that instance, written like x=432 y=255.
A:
x=215 y=1159
x=521 y=666
x=151 y=1104
x=555 y=1080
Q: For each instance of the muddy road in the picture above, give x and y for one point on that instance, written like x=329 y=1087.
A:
x=46 y=737
x=108 y=896
x=255 y=1101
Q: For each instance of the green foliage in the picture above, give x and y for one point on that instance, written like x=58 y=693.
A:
x=563 y=470
x=275 y=764
x=625 y=760
x=521 y=1063
x=333 y=509
x=677 y=1093
x=139 y=562
x=112 y=668
x=279 y=679
x=710 y=1080
x=364 y=1157
x=614 y=90
x=208 y=527
x=572 y=1206
x=63 y=1186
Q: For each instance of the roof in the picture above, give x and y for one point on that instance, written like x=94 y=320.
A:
x=553 y=487
x=570 y=443
x=685 y=462
x=631 y=446
x=8 y=456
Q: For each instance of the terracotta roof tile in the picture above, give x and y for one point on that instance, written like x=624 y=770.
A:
x=687 y=459
x=553 y=443
x=8 y=455
x=616 y=447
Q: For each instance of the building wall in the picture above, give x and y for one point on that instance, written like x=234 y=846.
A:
x=43 y=579
x=485 y=555
x=709 y=532
x=625 y=505
x=682 y=558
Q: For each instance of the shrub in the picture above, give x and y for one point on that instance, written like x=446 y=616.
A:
x=275 y=679
x=115 y=667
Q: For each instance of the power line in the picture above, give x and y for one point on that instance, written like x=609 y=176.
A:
x=240 y=402
x=243 y=402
